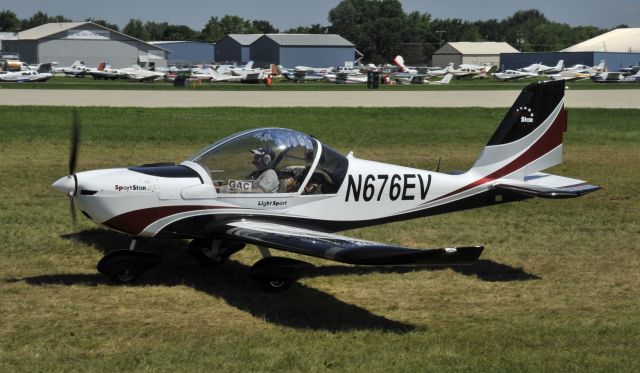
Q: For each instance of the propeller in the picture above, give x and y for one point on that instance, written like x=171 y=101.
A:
x=73 y=158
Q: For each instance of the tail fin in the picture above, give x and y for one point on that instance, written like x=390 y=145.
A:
x=399 y=61
x=529 y=138
x=559 y=66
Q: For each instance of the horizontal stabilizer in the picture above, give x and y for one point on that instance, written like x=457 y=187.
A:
x=345 y=249
x=547 y=186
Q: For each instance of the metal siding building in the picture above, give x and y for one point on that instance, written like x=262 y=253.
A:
x=290 y=50
x=618 y=48
x=187 y=52
x=67 y=42
x=613 y=60
x=235 y=47
x=471 y=53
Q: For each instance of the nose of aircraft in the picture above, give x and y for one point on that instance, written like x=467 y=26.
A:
x=65 y=185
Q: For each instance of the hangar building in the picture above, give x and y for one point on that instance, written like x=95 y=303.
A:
x=618 y=48
x=67 y=42
x=471 y=52
x=185 y=53
x=235 y=47
x=290 y=50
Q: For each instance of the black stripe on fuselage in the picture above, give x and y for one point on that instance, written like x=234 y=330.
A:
x=205 y=225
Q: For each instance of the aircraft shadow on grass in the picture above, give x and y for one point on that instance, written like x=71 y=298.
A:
x=298 y=307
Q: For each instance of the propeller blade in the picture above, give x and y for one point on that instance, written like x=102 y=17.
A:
x=75 y=141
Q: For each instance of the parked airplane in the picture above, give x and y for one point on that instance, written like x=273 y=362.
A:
x=569 y=75
x=297 y=192
x=43 y=74
x=141 y=75
x=543 y=69
x=592 y=70
x=633 y=78
x=446 y=80
x=346 y=78
x=77 y=69
x=509 y=75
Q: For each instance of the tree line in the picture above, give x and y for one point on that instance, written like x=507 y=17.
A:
x=380 y=29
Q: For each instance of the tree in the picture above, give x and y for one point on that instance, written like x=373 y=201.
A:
x=40 y=18
x=216 y=28
x=373 y=26
x=316 y=28
x=9 y=21
x=264 y=27
x=136 y=29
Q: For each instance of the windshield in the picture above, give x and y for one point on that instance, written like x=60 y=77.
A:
x=259 y=161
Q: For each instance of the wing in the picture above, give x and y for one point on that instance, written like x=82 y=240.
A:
x=341 y=248
x=547 y=186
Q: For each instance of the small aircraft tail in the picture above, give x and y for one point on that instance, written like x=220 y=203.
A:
x=528 y=140
x=600 y=66
x=399 y=61
x=560 y=65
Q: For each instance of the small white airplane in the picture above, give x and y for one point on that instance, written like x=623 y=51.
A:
x=346 y=78
x=592 y=70
x=445 y=80
x=633 y=78
x=569 y=75
x=543 y=69
x=410 y=75
x=141 y=75
x=281 y=189
x=77 y=69
x=509 y=75
x=25 y=76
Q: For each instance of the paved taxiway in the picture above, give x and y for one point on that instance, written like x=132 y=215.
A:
x=629 y=98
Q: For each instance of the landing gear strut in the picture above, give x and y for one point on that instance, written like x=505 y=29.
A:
x=124 y=266
x=212 y=253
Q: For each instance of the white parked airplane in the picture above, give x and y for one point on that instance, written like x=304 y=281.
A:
x=543 y=69
x=445 y=80
x=508 y=75
x=141 y=75
x=569 y=75
x=77 y=69
x=41 y=75
x=297 y=192
x=592 y=70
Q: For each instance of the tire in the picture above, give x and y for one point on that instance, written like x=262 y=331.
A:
x=274 y=286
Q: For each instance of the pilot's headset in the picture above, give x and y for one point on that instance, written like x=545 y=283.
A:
x=265 y=156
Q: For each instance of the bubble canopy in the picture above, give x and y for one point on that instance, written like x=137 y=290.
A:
x=293 y=156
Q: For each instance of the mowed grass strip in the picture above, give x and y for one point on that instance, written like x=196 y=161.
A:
x=556 y=289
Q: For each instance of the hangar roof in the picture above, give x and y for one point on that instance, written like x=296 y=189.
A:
x=618 y=40
x=471 y=47
x=244 y=39
x=324 y=40
x=48 y=29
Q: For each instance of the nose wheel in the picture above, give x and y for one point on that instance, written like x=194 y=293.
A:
x=125 y=266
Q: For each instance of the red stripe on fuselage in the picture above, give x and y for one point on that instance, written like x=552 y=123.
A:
x=546 y=143
x=134 y=222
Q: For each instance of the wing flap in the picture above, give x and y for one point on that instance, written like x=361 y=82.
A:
x=547 y=186
x=345 y=249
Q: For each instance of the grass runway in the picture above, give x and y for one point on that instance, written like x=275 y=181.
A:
x=557 y=288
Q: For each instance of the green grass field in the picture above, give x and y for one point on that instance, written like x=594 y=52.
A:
x=63 y=82
x=557 y=288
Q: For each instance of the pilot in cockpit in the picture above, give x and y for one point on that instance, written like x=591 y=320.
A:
x=265 y=178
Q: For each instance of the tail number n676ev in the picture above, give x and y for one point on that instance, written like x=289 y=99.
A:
x=395 y=186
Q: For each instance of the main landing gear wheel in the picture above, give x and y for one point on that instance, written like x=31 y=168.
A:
x=212 y=253
x=125 y=266
x=274 y=274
